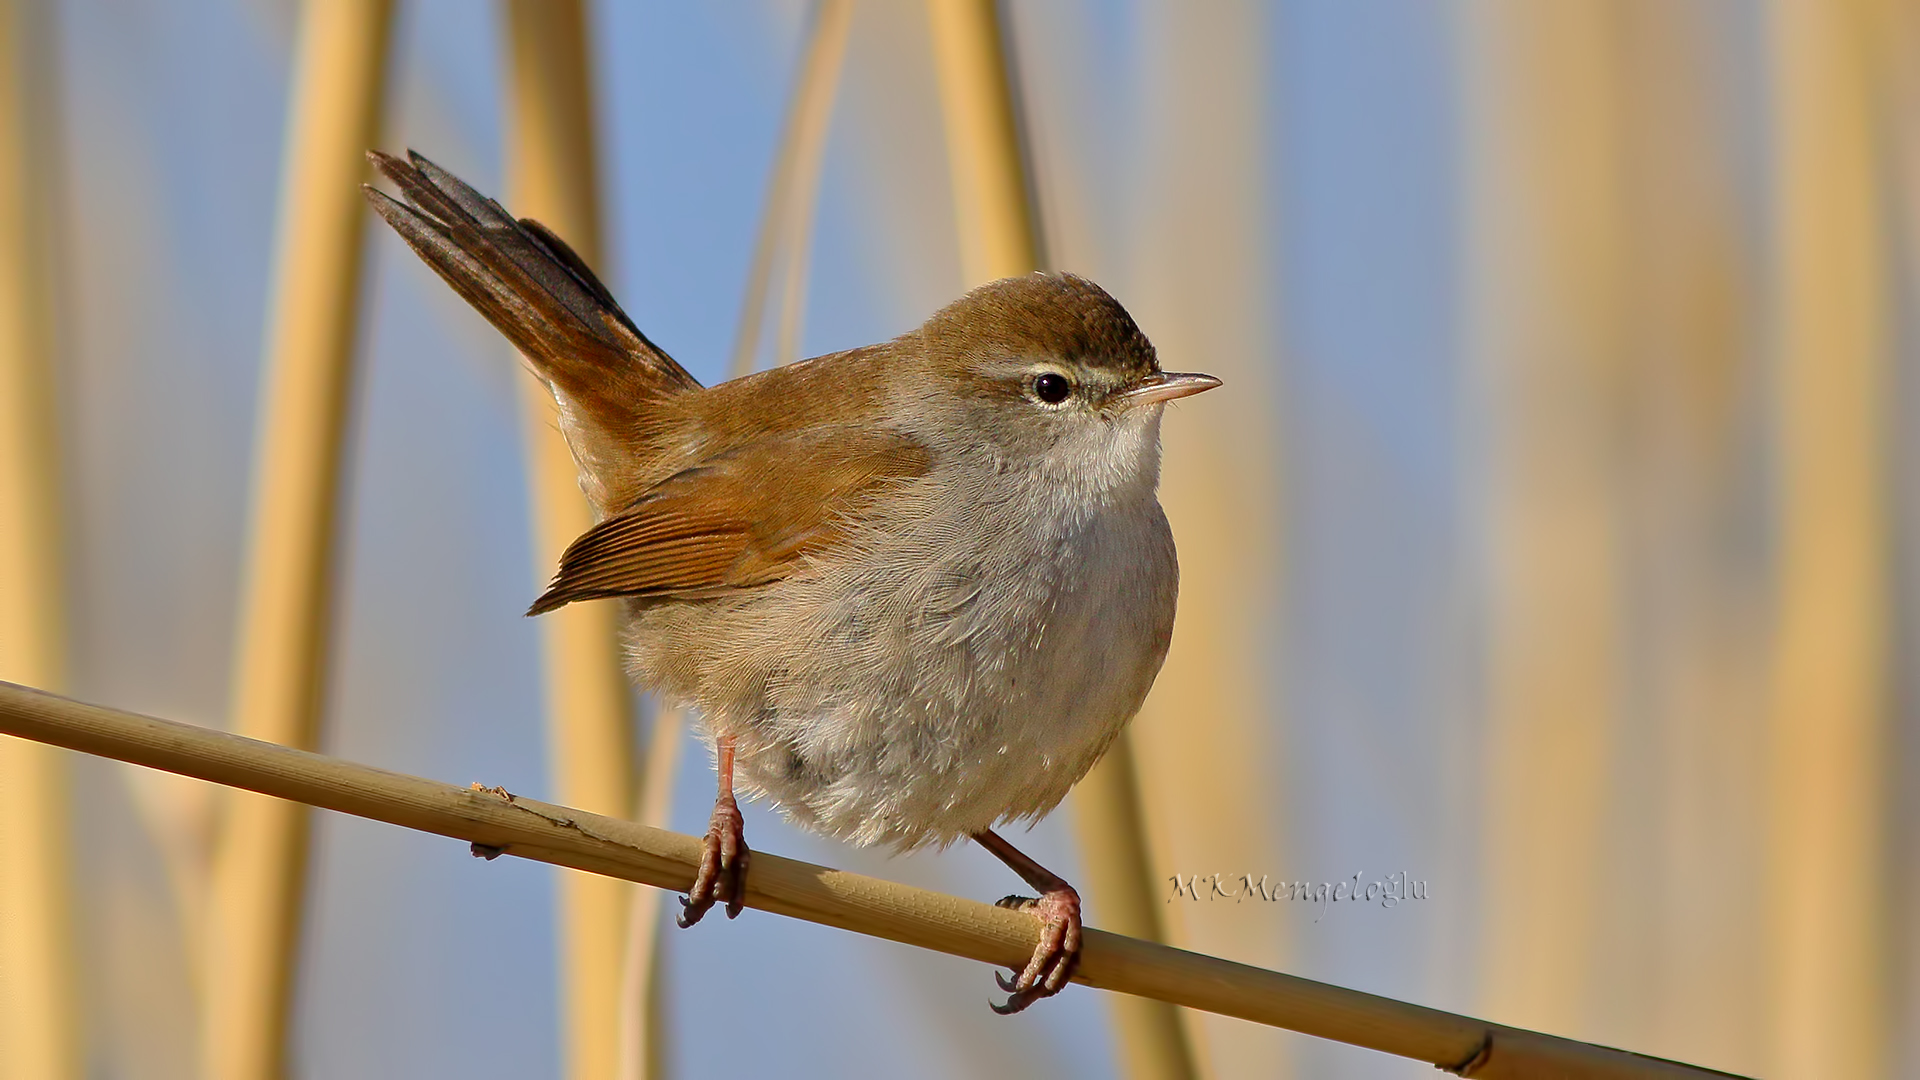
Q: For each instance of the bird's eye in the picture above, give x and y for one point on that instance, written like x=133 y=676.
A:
x=1051 y=387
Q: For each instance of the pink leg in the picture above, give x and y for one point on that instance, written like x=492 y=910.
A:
x=1057 y=954
x=723 y=861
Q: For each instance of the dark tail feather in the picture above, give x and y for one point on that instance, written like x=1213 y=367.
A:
x=533 y=287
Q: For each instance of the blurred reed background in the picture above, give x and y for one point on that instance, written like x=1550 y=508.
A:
x=1552 y=544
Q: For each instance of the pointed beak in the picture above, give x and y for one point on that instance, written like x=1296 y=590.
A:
x=1164 y=386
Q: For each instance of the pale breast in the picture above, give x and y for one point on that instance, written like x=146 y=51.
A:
x=965 y=661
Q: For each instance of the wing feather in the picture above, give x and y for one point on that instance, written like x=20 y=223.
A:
x=744 y=518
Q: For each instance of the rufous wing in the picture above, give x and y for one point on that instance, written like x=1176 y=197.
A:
x=740 y=519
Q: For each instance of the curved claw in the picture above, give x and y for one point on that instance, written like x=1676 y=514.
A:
x=723 y=866
x=1016 y=1003
x=691 y=910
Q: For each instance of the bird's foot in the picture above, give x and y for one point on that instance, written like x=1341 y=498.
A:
x=723 y=866
x=1057 y=955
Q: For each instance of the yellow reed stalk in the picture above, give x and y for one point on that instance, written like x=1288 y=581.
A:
x=786 y=221
x=990 y=194
x=1200 y=281
x=1548 y=335
x=1110 y=824
x=551 y=177
x=40 y=1028
x=498 y=822
x=287 y=606
x=998 y=238
x=1827 y=882
x=642 y=1039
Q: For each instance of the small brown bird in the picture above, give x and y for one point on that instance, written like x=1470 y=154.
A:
x=913 y=590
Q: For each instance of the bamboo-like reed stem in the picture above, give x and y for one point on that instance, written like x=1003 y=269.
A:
x=990 y=193
x=497 y=822
x=286 y=618
x=1827 y=946
x=998 y=238
x=551 y=176
x=40 y=1026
